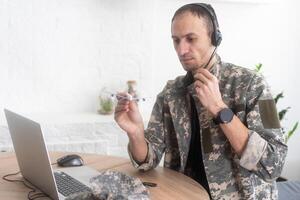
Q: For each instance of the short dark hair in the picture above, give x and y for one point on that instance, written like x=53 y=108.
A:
x=197 y=11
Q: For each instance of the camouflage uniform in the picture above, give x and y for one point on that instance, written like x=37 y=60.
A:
x=113 y=185
x=250 y=176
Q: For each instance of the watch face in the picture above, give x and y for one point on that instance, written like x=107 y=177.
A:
x=226 y=115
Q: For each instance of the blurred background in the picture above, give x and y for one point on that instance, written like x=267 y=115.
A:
x=57 y=55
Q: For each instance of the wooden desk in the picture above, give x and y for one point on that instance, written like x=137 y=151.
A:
x=170 y=184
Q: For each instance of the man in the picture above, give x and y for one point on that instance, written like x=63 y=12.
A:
x=218 y=124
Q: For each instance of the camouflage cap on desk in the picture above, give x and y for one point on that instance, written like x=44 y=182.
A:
x=113 y=185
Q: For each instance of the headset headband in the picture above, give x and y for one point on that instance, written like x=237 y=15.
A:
x=216 y=36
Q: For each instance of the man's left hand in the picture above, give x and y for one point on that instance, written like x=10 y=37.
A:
x=208 y=92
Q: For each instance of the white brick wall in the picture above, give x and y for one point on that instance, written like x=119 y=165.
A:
x=57 y=55
x=89 y=133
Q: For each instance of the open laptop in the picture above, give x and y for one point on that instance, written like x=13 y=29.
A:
x=34 y=163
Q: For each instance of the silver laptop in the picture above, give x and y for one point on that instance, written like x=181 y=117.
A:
x=33 y=159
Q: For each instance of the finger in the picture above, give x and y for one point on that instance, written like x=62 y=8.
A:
x=133 y=106
x=122 y=96
x=120 y=112
x=123 y=103
x=199 y=91
x=198 y=84
x=206 y=73
x=204 y=89
x=121 y=108
x=201 y=77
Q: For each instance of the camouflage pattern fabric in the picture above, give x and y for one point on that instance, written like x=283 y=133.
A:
x=113 y=185
x=250 y=176
x=82 y=196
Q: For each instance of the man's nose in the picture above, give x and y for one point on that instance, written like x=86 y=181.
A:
x=182 y=48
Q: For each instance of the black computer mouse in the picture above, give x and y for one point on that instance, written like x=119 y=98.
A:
x=71 y=160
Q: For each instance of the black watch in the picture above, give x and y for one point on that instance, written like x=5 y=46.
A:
x=224 y=116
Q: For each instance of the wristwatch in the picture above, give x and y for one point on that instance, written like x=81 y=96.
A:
x=224 y=116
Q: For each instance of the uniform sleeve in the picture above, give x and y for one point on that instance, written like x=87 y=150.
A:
x=265 y=151
x=154 y=135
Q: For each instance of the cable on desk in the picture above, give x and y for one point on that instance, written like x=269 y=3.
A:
x=32 y=194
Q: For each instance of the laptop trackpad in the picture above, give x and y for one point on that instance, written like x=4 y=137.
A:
x=83 y=173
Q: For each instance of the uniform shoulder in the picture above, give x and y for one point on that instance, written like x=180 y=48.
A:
x=242 y=72
x=173 y=85
x=244 y=80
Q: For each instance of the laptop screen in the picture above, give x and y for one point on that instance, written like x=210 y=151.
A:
x=31 y=152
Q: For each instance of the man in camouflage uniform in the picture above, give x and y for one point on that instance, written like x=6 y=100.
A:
x=241 y=156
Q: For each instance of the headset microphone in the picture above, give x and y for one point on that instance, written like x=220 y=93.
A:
x=212 y=55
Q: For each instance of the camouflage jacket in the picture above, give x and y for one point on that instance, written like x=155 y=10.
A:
x=250 y=176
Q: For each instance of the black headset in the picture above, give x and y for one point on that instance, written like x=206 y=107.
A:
x=216 y=36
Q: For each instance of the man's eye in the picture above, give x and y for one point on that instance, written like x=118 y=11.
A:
x=175 y=41
x=191 y=39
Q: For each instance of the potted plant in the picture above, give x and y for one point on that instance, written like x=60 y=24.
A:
x=106 y=103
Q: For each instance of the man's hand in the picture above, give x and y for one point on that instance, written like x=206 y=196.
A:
x=208 y=92
x=128 y=117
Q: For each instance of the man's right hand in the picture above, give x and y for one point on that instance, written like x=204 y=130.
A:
x=128 y=117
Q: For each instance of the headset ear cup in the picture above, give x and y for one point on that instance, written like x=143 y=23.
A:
x=218 y=38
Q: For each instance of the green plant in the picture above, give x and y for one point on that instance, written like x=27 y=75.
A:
x=258 y=67
x=281 y=113
x=106 y=105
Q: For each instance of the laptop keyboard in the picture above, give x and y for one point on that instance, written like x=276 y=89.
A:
x=68 y=185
